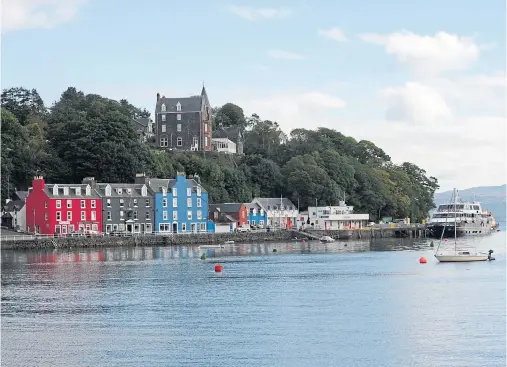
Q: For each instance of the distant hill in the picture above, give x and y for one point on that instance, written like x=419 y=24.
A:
x=492 y=198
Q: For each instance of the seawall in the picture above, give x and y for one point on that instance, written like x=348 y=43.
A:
x=367 y=233
x=154 y=240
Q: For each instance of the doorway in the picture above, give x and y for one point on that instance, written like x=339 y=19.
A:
x=175 y=227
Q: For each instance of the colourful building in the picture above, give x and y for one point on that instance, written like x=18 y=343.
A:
x=181 y=204
x=257 y=216
x=62 y=208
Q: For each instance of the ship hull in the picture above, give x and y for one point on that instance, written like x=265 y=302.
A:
x=463 y=230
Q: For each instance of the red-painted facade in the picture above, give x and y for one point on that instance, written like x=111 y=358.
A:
x=67 y=209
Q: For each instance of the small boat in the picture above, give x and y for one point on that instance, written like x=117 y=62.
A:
x=229 y=243
x=211 y=246
x=326 y=239
x=463 y=254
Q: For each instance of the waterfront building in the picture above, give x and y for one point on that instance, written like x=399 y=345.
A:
x=62 y=208
x=126 y=207
x=181 y=204
x=233 y=213
x=335 y=218
x=256 y=215
x=14 y=211
x=280 y=212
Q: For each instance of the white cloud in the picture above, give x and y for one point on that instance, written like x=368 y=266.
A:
x=439 y=53
x=416 y=103
x=284 y=55
x=26 y=14
x=255 y=14
x=333 y=33
x=319 y=99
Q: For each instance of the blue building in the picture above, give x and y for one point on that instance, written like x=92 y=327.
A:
x=181 y=204
x=256 y=214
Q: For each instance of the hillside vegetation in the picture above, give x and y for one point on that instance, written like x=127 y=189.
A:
x=89 y=135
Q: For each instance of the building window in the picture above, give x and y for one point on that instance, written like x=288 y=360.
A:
x=175 y=203
x=163 y=119
x=129 y=191
x=164 y=142
x=183 y=227
x=195 y=142
x=83 y=204
x=164 y=128
x=69 y=204
x=179 y=142
x=164 y=203
x=164 y=215
x=58 y=215
x=135 y=203
x=178 y=127
x=189 y=202
x=94 y=215
x=95 y=227
x=175 y=191
x=199 y=203
x=121 y=213
x=108 y=215
x=178 y=106
x=94 y=204
x=203 y=227
x=205 y=128
x=178 y=116
x=175 y=215
x=148 y=203
x=147 y=216
x=122 y=202
x=83 y=215
x=162 y=108
x=199 y=214
x=206 y=141
x=135 y=215
x=108 y=201
x=189 y=214
x=69 y=216
x=45 y=204
x=198 y=191
x=46 y=217
x=58 y=204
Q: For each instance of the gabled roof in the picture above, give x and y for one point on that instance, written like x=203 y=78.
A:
x=226 y=207
x=157 y=183
x=233 y=133
x=274 y=202
x=143 y=121
x=13 y=206
x=21 y=195
x=252 y=206
x=188 y=104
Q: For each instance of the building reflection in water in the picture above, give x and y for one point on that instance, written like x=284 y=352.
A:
x=93 y=255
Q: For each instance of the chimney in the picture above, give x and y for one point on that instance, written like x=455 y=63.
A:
x=38 y=183
x=158 y=96
x=180 y=177
x=90 y=181
x=141 y=178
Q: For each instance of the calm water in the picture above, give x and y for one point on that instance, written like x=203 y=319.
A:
x=305 y=305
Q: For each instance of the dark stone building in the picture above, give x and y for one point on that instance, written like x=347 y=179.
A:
x=183 y=123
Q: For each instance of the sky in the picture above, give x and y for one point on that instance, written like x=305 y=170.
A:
x=423 y=80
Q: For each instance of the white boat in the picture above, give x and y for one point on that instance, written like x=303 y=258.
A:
x=327 y=239
x=463 y=254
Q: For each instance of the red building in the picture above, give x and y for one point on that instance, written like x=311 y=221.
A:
x=62 y=208
x=236 y=211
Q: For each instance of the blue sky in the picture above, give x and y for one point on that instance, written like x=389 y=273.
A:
x=406 y=75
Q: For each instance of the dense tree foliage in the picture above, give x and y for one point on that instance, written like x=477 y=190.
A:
x=89 y=135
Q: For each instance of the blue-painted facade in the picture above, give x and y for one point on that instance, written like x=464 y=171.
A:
x=256 y=216
x=181 y=207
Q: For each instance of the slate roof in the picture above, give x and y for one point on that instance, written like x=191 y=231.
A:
x=233 y=133
x=143 y=121
x=274 y=202
x=136 y=189
x=188 y=104
x=156 y=183
x=21 y=195
x=226 y=207
x=48 y=189
x=13 y=205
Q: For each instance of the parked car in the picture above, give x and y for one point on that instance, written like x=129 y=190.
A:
x=243 y=229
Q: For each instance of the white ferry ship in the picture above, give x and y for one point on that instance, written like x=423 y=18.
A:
x=462 y=218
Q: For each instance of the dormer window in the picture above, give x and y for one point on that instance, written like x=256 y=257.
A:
x=129 y=191
x=178 y=106
x=88 y=190
x=108 y=190
x=78 y=191
x=162 y=108
x=198 y=191
x=164 y=191
x=144 y=191
x=119 y=191
x=55 y=190
x=66 y=191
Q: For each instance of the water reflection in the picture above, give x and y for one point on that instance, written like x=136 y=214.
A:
x=121 y=254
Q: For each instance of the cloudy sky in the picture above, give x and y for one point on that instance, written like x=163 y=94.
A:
x=424 y=80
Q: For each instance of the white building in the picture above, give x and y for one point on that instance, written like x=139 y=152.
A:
x=223 y=145
x=281 y=212
x=336 y=217
x=14 y=214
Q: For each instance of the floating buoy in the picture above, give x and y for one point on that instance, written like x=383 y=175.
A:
x=203 y=256
x=422 y=260
x=218 y=268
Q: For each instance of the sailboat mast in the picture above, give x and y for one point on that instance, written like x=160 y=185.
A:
x=455 y=214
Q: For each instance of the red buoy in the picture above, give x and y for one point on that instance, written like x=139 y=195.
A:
x=422 y=260
x=218 y=268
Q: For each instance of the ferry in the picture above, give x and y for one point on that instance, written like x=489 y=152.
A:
x=462 y=218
